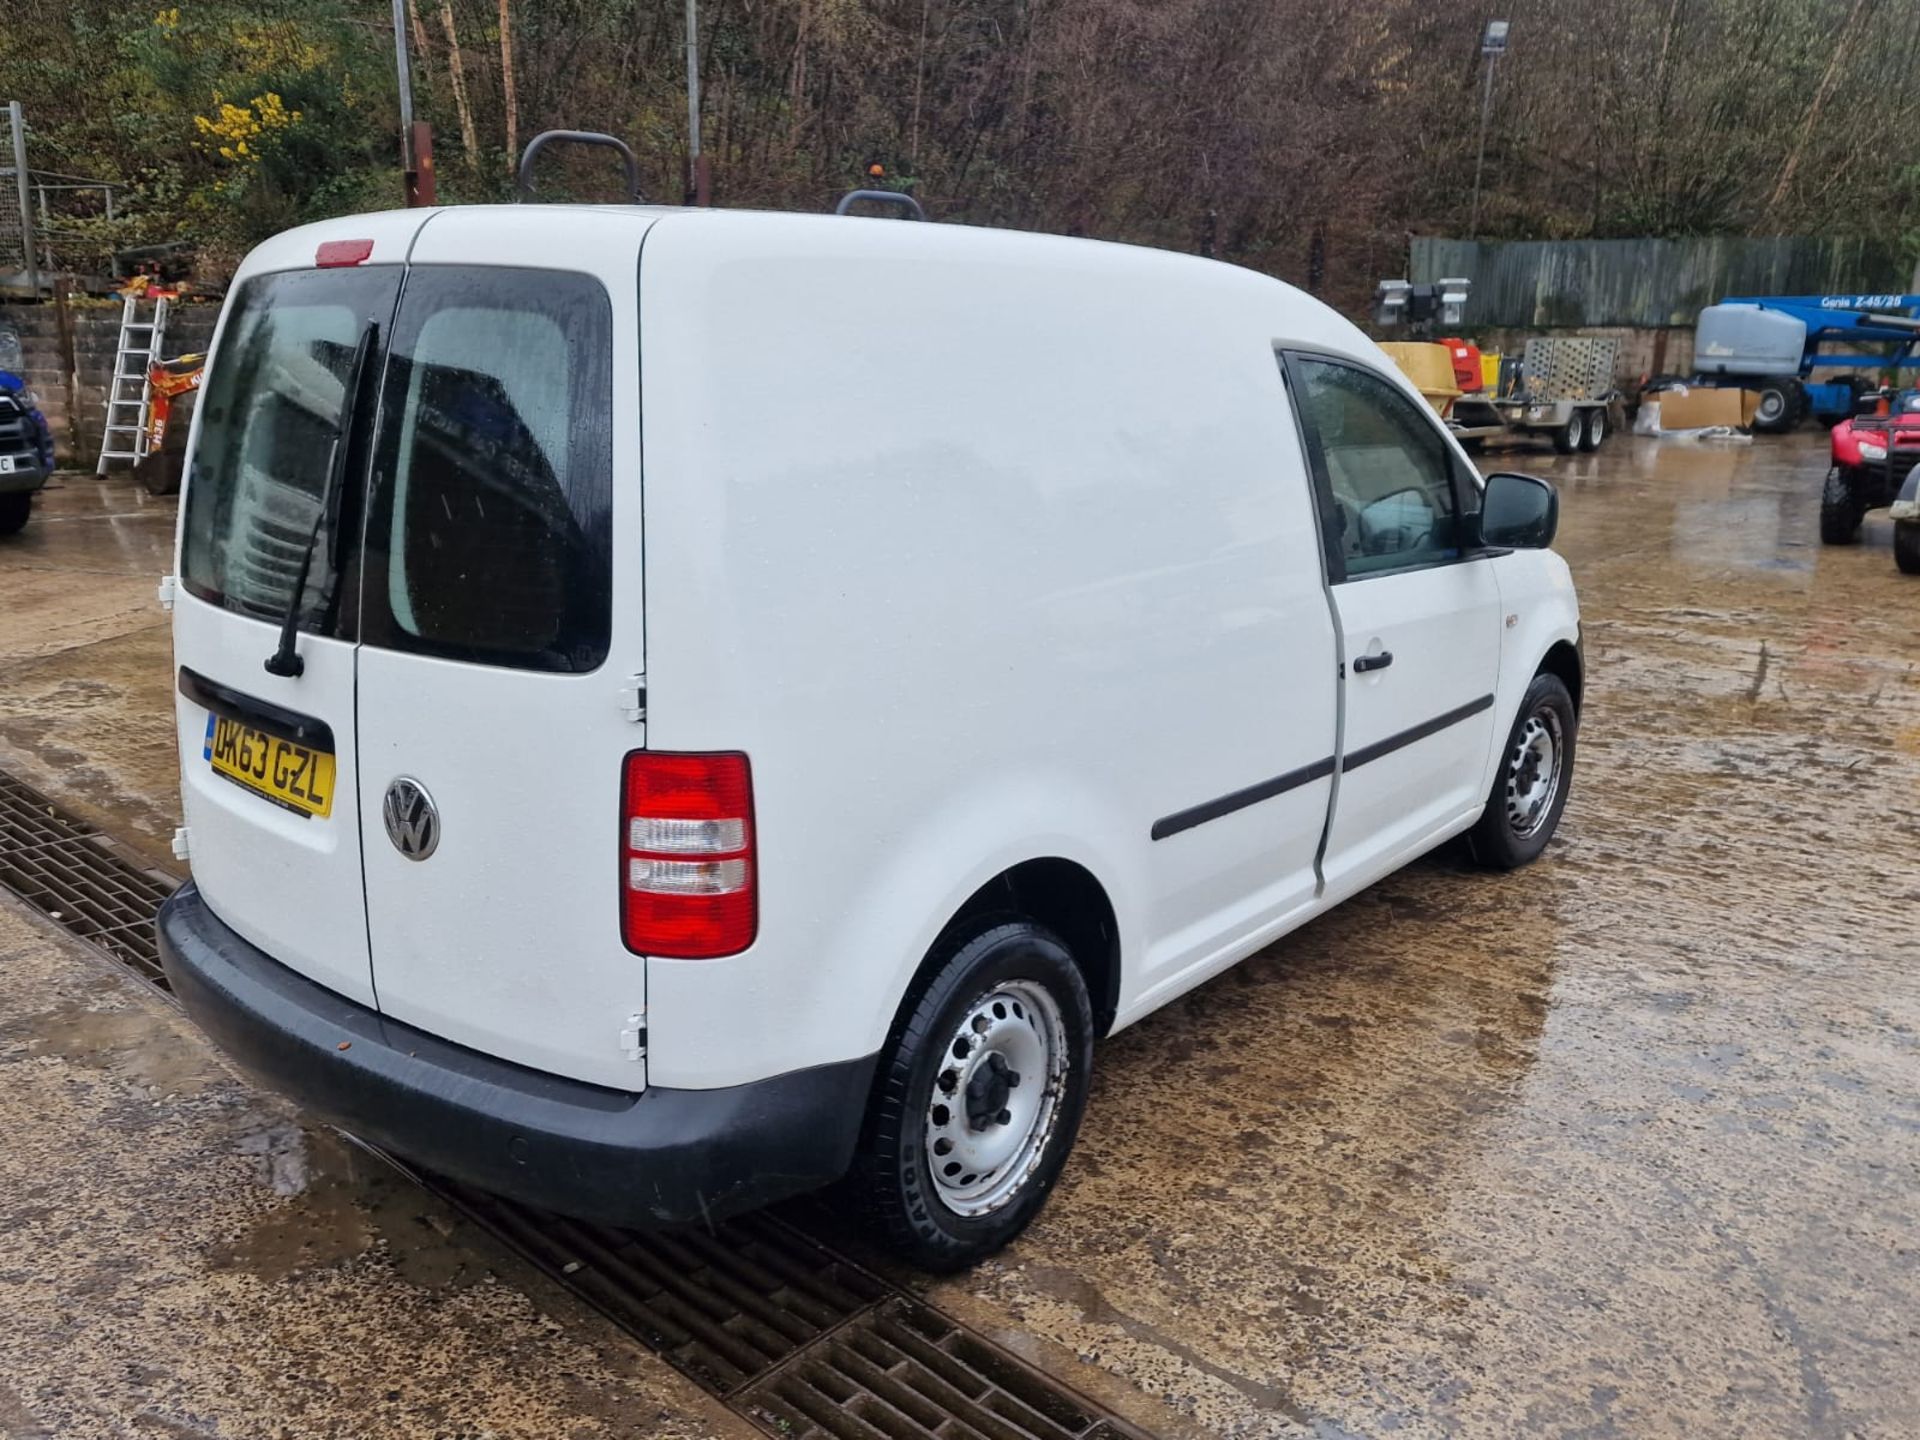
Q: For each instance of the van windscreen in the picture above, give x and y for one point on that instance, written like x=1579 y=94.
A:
x=489 y=532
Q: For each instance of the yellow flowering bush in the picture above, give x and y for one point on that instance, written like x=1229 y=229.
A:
x=240 y=132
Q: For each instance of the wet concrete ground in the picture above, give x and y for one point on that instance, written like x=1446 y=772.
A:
x=1625 y=1144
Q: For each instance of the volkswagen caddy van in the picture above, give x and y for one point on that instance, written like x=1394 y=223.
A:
x=680 y=708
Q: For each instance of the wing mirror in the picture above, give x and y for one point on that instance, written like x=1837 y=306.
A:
x=1519 y=512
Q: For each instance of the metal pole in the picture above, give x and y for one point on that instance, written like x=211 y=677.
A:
x=696 y=161
x=405 y=74
x=1480 y=161
x=24 y=184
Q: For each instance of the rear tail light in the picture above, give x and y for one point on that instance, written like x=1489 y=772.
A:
x=689 y=882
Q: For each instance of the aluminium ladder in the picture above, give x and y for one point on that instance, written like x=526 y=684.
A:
x=130 y=392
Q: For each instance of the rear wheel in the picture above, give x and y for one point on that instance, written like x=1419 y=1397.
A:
x=1906 y=546
x=978 y=1096
x=1530 y=788
x=1567 y=437
x=14 y=510
x=1779 y=407
x=1840 y=509
x=1596 y=430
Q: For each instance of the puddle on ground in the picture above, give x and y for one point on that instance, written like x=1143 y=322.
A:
x=125 y=1041
x=342 y=1204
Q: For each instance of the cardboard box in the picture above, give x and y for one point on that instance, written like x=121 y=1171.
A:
x=1701 y=406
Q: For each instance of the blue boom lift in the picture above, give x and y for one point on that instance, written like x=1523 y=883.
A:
x=1774 y=343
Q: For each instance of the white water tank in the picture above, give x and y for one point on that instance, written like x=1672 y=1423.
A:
x=1747 y=340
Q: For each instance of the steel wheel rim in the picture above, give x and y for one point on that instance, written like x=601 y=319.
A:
x=1533 y=772
x=1596 y=427
x=1772 y=403
x=979 y=1160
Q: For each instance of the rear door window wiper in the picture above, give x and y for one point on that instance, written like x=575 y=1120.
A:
x=285 y=660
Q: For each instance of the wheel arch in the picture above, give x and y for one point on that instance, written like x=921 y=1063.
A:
x=1062 y=895
x=1563 y=661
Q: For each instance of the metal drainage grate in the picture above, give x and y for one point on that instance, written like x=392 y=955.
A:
x=64 y=868
x=795 y=1337
x=904 y=1371
x=723 y=1306
x=802 y=1341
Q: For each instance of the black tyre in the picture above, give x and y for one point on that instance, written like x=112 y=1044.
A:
x=14 y=510
x=1840 y=509
x=1779 y=408
x=1567 y=437
x=1906 y=546
x=1530 y=787
x=159 y=473
x=977 y=1098
x=1594 y=434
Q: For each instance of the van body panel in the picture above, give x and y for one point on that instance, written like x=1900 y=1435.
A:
x=285 y=881
x=1536 y=591
x=1442 y=627
x=506 y=938
x=1106 y=567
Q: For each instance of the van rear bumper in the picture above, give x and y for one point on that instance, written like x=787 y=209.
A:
x=659 y=1157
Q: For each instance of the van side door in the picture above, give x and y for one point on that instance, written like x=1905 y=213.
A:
x=1417 y=612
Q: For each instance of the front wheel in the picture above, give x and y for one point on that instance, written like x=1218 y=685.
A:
x=977 y=1098
x=1840 y=509
x=1906 y=546
x=1567 y=437
x=14 y=510
x=1779 y=407
x=1530 y=787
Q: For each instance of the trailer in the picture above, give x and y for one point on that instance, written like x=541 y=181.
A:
x=1564 y=391
x=1773 y=344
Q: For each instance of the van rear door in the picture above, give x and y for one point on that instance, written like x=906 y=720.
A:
x=268 y=761
x=500 y=622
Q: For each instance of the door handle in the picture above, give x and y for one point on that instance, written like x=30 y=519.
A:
x=1364 y=663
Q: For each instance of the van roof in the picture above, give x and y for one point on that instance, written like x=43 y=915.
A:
x=393 y=233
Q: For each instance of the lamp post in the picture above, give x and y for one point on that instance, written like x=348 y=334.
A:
x=1493 y=44
x=698 y=176
x=416 y=137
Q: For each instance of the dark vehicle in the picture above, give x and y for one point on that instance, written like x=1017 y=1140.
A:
x=26 y=452
x=1875 y=459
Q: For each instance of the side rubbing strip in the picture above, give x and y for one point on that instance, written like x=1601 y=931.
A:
x=1239 y=800
x=1419 y=732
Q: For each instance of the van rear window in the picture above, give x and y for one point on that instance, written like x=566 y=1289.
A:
x=268 y=424
x=489 y=532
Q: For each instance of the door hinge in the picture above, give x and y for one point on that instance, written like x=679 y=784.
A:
x=182 y=844
x=633 y=1036
x=166 y=591
x=633 y=697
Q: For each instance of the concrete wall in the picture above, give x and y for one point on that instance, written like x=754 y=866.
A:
x=78 y=412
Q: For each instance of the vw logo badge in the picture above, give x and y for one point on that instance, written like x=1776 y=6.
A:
x=413 y=824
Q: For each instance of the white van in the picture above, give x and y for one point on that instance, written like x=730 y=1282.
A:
x=677 y=708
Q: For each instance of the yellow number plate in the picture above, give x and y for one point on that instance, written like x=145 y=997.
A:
x=291 y=776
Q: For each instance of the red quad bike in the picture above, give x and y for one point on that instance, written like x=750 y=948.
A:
x=1876 y=461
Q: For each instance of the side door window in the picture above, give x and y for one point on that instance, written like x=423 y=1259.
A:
x=1388 y=497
